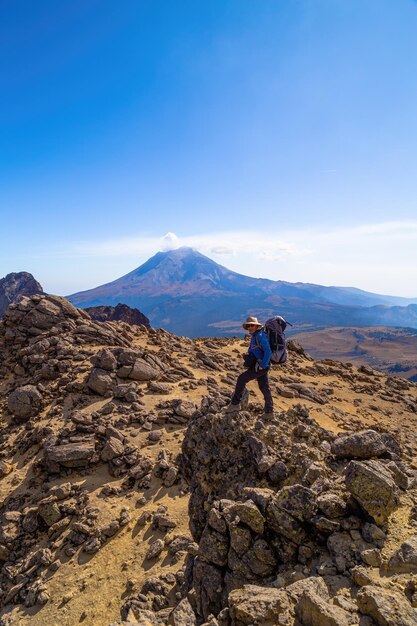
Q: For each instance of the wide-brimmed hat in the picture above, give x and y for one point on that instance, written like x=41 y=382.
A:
x=250 y=321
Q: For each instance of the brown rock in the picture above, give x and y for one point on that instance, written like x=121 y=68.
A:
x=257 y=605
x=386 y=607
x=113 y=448
x=313 y=610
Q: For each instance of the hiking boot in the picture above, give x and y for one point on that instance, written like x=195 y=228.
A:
x=232 y=408
x=244 y=401
x=268 y=416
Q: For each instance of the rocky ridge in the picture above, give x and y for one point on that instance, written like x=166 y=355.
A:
x=126 y=492
x=14 y=286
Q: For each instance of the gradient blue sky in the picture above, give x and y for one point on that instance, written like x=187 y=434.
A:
x=277 y=136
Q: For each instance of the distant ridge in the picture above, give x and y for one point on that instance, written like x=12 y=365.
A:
x=187 y=293
x=119 y=313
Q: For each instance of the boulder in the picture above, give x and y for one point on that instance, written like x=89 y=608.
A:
x=100 y=381
x=24 y=402
x=213 y=547
x=184 y=408
x=386 y=607
x=257 y=605
x=365 y=444
x=373 y=487
x=113 y=448
x=71 y=454
x=142 y=371
x=313 y=610
x=49 y=512
x=246 y=512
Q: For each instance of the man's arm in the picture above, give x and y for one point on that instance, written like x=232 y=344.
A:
x=264 y=344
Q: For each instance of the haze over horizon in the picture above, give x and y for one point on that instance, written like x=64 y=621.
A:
x=277 y=138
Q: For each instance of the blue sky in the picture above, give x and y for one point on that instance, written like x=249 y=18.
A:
x=277 y=136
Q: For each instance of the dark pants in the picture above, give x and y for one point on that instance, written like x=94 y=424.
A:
x=263 y=384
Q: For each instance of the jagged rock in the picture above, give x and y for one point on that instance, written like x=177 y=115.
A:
x=183 y=614
x=14 y=286
x=184 y=408
x=155 y=549
x=364 y=444
x=312 y=610
x=386 y=607
x=373 y=534
x=373 y=487
x=113 y=448
x=288 y=509
x=213 y=547
x=372 y=557
x=246 y=512
x=208 y=584
x=24 y=402
x=404 y=560
x=257 y=605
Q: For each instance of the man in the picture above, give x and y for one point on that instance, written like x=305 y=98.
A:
x=257 y=360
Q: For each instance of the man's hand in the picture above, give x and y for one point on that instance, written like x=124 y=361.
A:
x=258 y=368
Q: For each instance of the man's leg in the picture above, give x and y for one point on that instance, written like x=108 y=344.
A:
x=263 y=383
x=243 y=379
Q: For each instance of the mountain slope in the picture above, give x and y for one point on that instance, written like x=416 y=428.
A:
x=188 y=293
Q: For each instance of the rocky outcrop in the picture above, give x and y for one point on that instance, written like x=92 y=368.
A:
x=14 y=286
x=118 y=313
x=258 y=530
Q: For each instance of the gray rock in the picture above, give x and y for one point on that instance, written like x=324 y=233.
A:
x=71 y=454
x=185 y=408
x=373 y=487
x=213 y=547
x=155 y=549
x=143 y=371
x=183 y=614
x=365 y=444
x=100 y=381
x=25 y=402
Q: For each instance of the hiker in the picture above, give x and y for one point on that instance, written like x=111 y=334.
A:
x=257 y=361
